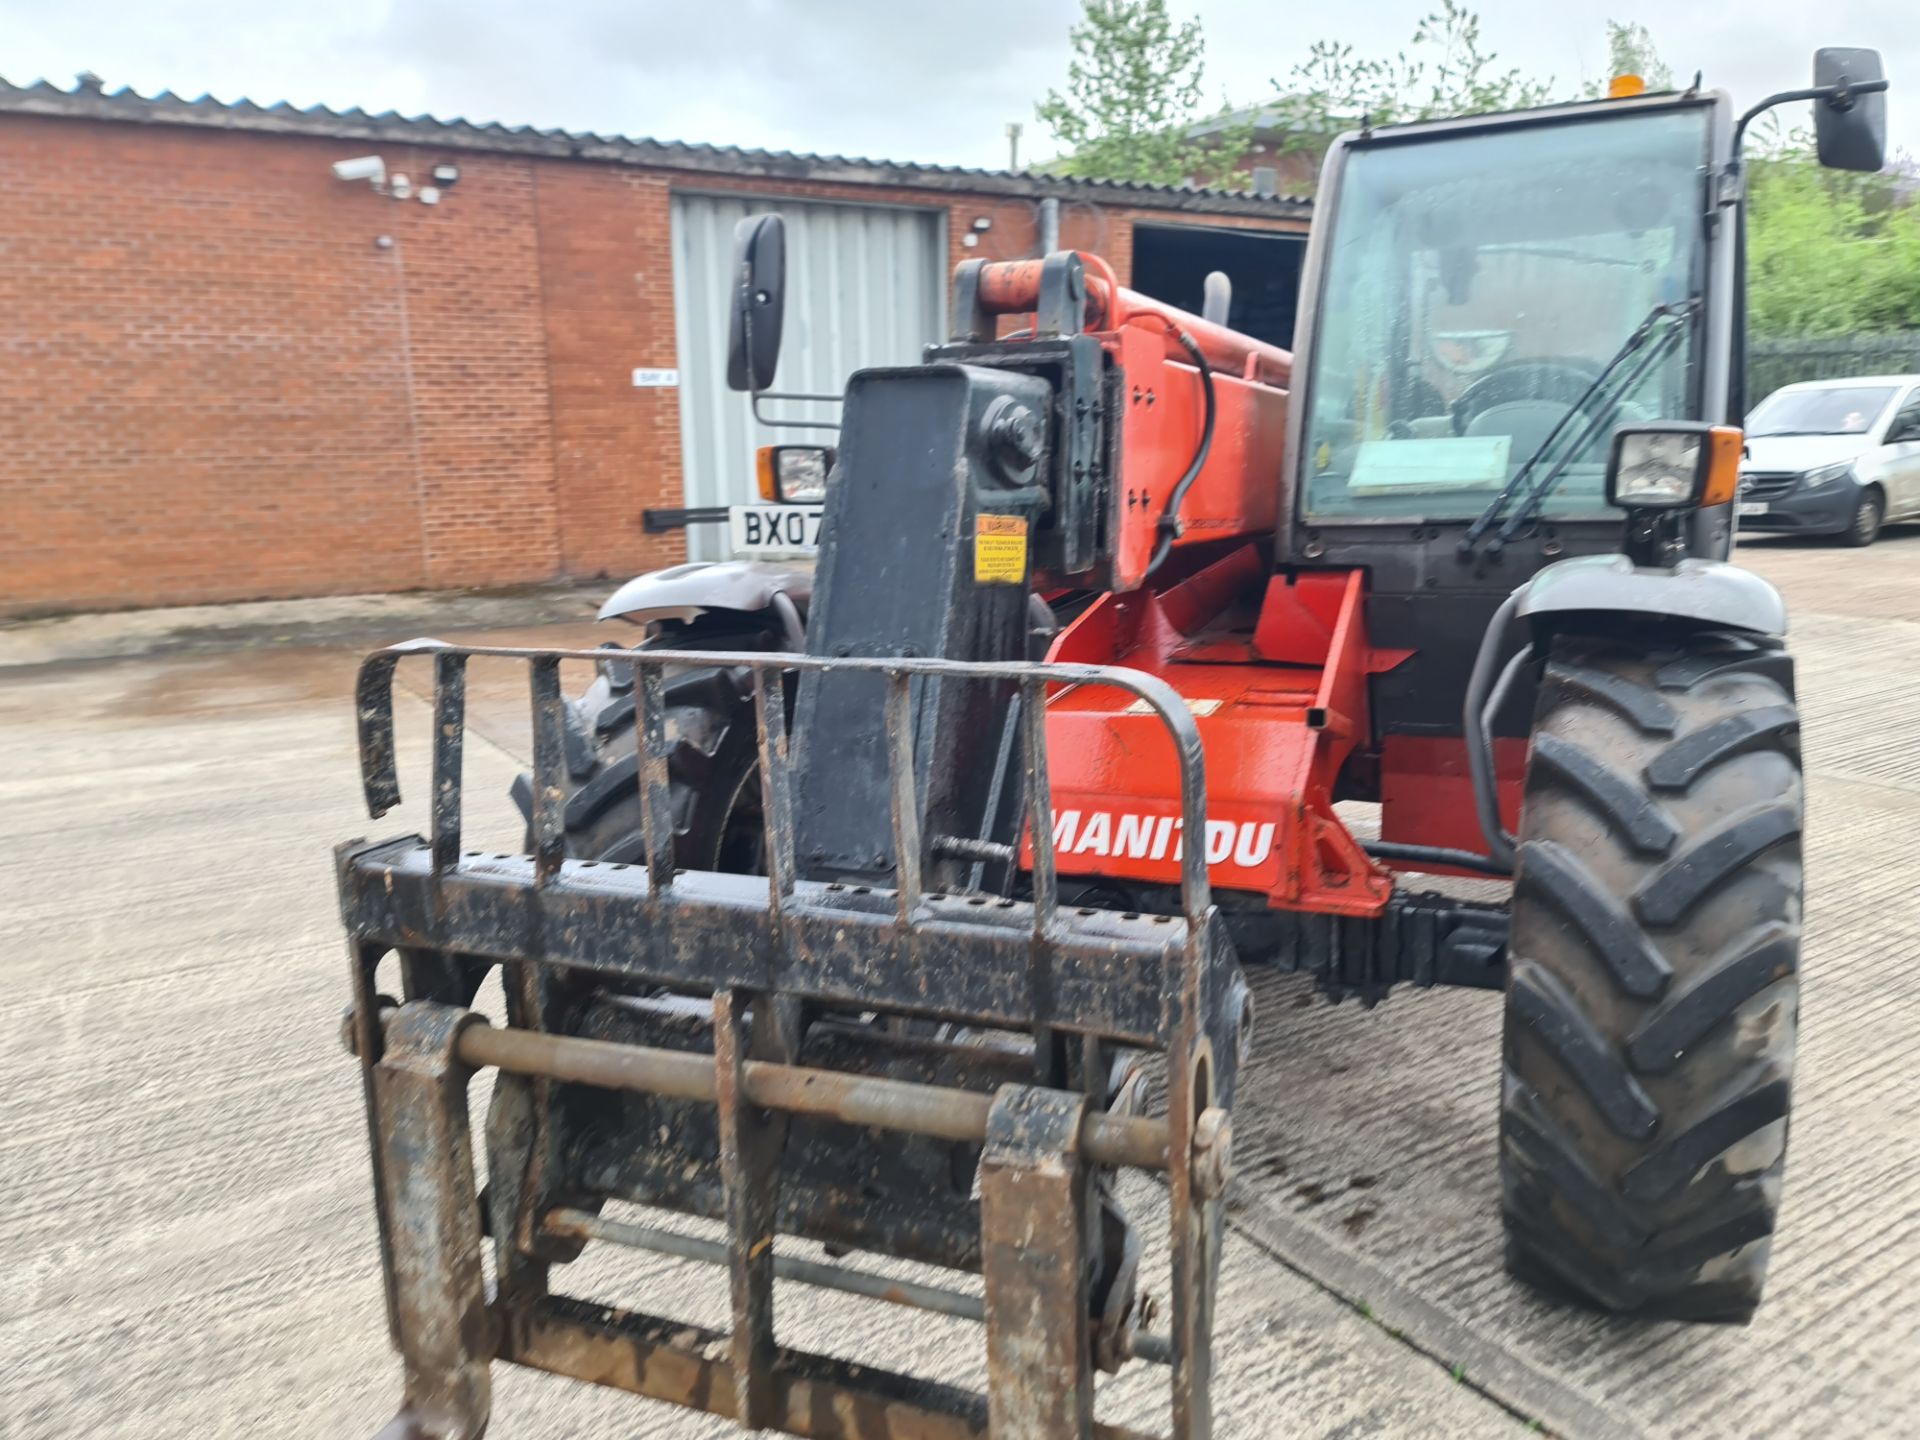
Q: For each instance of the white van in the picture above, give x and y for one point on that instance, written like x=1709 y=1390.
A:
x=1833 y=457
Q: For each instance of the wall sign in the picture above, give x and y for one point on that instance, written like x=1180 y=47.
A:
x=655 y=379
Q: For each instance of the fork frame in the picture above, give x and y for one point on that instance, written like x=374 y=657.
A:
x=763 y=950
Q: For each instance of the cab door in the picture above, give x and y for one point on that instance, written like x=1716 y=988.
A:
x=1899 y=459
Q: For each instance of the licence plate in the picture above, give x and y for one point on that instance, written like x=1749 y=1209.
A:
x=1751 y=507
x=774 y=529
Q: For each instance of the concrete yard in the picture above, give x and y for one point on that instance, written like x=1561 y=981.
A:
x=186 y=1237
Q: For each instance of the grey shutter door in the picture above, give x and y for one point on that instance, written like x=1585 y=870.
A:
x=865 y=286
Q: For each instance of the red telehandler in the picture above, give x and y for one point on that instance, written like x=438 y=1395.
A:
x=861 y=901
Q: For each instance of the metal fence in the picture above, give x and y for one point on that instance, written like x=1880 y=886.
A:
x=1773 y=363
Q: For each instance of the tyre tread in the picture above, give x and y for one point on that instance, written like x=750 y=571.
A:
x=1572 y=888
x=710 y=730
x=1555 y=1020
x=1756 y=960
x=1621 y=802
x=1630 y=1073
x=1677 y=887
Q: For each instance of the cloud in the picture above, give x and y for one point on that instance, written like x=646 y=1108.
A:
x=862 y=77
x=894 y=79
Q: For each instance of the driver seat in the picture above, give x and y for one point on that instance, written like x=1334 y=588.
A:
x=1529 y=422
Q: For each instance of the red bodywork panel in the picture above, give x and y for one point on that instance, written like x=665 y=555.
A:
x=1239 y=488
x=1274 y=667
x=1426 y=797
x=1238 y=491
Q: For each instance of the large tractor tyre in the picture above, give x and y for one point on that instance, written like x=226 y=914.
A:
x=712 y=765
x=1652 y=998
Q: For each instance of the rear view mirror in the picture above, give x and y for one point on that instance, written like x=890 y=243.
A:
x=759 y=301
x=1850 y=128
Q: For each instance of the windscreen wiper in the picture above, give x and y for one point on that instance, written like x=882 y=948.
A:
x=1531 y=505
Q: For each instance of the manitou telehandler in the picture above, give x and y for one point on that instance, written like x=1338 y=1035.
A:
x=864 y=904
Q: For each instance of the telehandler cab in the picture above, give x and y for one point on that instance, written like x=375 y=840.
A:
x=856 y=896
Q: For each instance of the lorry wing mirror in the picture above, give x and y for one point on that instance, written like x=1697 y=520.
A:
x=1850 y=128
x=759 y=301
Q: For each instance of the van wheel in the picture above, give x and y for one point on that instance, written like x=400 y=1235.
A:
x=1652 y=991
x=1868 y=513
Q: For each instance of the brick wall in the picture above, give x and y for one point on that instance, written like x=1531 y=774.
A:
x=607 y=273
x=229 y=376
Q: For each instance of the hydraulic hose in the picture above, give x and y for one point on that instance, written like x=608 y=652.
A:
x=1484 y=693
x=1436 y=855
x=1169 y=524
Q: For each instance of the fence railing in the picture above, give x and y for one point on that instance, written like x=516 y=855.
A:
x=1773 y=363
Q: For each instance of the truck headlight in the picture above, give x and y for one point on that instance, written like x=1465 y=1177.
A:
x=1674 y=465
x=1826 y=475
x=795 y=474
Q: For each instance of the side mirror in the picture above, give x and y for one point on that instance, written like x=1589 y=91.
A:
x=759 y=301
x=1850 y=128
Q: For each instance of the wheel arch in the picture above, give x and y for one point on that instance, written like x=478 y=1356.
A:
x=719 y=590
x=1711 y=594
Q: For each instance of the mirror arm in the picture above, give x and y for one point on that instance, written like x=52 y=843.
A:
x=774 y=422
x=754 y=394
x=1840 y=97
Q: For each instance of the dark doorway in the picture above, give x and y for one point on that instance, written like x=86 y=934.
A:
x=1171 y=262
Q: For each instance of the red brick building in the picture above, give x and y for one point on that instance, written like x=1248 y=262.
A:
x=231 y=375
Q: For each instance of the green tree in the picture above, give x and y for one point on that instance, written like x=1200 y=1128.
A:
x=1444 y=70
x=1828 y=252
x=1630 y=52
x=1133 y=95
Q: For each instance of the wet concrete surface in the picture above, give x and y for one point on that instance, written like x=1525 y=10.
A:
x=186 y=1237
x=186 y=1240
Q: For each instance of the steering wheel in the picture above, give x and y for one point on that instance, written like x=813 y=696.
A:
x=1554 y=381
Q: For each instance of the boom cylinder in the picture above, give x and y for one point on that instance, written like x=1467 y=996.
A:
x=1012 y=287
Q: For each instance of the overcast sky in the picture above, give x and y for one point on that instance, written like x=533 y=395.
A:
x=892 y=79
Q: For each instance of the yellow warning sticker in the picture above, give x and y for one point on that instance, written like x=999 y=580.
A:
x=999 y=550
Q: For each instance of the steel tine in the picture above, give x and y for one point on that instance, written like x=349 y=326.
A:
x=449 y=735
x=776 y=793
x=373 y=711
x=656 y=796
x=903 y=794
x=1046 y=883
x=750 y=1143
x=1196 y=890
x=1194 y=1223
x=549 y=769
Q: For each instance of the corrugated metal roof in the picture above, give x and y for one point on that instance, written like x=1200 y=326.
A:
x=90 y=101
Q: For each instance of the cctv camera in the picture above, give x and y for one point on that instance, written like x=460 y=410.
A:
x=370 y=168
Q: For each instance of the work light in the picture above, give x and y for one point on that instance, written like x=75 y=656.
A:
x=802 y=472
x=795 y=474
x=1674 y=465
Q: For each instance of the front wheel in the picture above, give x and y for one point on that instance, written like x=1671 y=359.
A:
x=1869 y=511
x=1652 y=996
x=713 y=763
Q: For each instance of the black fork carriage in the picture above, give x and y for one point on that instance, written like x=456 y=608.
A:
x=942 y=1076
